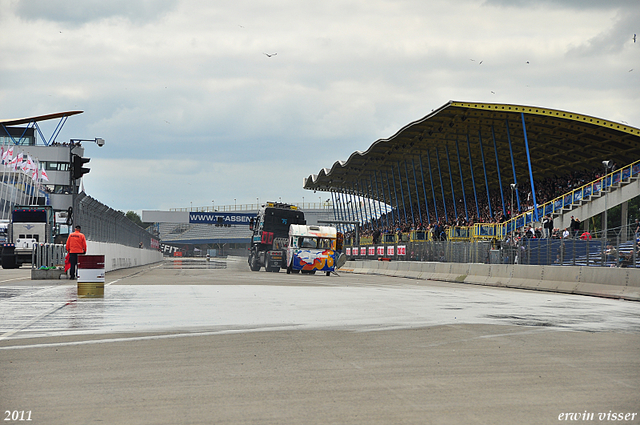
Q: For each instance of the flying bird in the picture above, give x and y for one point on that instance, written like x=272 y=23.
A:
x=272 y=54
x=634 y=38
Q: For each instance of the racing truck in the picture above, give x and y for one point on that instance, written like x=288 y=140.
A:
x=314 y=248
x=270 y=236
x=29 y=226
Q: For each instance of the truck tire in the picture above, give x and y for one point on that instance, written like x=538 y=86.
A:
x=9 y=262
x=253 y=263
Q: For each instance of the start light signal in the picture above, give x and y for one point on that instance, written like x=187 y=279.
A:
x=77 y=168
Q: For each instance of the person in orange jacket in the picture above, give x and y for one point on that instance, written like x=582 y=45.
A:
x=76 y=244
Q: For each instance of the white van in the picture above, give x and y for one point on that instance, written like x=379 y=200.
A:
x=314 y=248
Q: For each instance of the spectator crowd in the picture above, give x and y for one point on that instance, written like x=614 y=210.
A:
x=414 y=217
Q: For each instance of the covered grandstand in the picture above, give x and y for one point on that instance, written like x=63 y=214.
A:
x=464 y=156
x=486 y=170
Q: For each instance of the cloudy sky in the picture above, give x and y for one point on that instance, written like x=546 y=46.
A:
x=194 y=112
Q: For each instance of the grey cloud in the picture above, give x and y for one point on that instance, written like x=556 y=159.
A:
x=572 y=4
x=81 y=12
x=614 y=39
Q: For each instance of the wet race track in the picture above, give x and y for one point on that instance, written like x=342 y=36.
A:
x=280 y=348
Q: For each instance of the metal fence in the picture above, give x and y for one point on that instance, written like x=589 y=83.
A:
x=47 y=255
x=562 y=252
x=571 y=252
x=441 y=251
x=103 y=224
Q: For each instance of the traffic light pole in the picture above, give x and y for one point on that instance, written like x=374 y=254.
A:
x=76 y=171
x=74 y=190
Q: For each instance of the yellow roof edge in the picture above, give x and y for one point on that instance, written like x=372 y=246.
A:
x=534 y=110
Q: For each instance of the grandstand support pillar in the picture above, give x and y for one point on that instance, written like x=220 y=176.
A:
x=415 y=180
x=484 y=168
x=464 y=195
x=495 y=148
x=340 y=196
x=349 y=205
x=333 y=203
x=533 y=189
x=444 y=201
x=424 y=190
x=359 y=206
x=343 y=208
x=513 y=167
x=624 y=221
x=372 y=201
x=340 y=205
x=393 y=220
x=345 y=214
x=433 y=190
x=373 y=198
x=406 y=172
x=404 y=207
x=453 y=194
x=354 y=216
x=368 y=201
x=386 y=218
x=363 y=201
x=473 y=180
x=386 y=215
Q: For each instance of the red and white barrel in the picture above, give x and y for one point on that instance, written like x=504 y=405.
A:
x=91 y=276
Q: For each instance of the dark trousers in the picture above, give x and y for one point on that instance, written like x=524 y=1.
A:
x=73 y=261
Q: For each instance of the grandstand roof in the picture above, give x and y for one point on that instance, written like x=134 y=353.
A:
x=559 y=142
x=17 y=121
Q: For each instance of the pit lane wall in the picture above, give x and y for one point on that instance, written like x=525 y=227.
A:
x=622 y=283
x=118 y=256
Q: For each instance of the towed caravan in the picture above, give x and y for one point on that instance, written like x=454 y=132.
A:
x=314 y=248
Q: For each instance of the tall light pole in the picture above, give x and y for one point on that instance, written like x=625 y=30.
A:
x=75 y=173
x=514 y=187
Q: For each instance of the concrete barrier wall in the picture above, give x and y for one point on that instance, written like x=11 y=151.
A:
x=122 y=257
x=597 y=281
